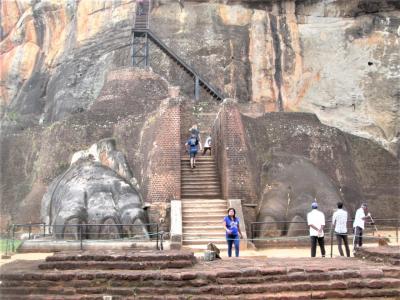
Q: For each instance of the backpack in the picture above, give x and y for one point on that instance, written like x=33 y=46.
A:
x=193 y=142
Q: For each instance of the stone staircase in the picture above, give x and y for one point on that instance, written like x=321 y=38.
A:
x=203 y=209
x=254 y=278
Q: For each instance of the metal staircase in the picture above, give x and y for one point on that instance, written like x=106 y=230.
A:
x=140 y=42
x=140 y=53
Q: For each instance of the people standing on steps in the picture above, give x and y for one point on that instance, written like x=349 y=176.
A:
x=339 y=222
x=140 y=8
x=192 y=147
x=316 y=222
x=207 y=145
x=194 y=130
x=233 y=233
x=358 y=225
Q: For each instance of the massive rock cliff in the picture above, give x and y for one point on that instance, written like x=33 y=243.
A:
x=337 y=59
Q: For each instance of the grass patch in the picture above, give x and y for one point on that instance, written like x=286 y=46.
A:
x=3 y=245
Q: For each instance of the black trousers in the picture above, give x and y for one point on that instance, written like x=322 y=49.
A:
x=340 y=238
x=321 y=243
x=358 y=232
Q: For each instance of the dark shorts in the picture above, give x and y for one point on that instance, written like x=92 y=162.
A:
x=193 y=153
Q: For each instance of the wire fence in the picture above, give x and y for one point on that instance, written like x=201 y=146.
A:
x=149 y=232
x=264 y=233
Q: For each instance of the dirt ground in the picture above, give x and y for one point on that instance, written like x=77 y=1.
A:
x=270 y=253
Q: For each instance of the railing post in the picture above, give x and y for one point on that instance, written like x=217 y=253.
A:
x=397 y=231
x=252 y=232
x=146 y=55
x=331 y=241
x=161 y=240
x=13 y=238
x=30 y=230
x=8 y=238
x=44 y=229
x=157 y=237
x=80 y=235
x=196 y=88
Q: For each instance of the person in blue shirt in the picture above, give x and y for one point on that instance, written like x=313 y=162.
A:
x=192 y=145
x=233 y=233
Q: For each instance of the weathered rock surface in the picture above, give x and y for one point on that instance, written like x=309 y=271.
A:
x=336 y=59
x=31 y=159
x=295 y=158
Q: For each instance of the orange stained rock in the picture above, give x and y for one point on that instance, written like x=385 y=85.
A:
x=93 y=15
x=304 y=89
x=20 y=60
x=10 y=14
x=56 y=34
x=235 y=15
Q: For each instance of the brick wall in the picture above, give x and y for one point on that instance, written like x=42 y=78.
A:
x=232 y=156
x=164 y=174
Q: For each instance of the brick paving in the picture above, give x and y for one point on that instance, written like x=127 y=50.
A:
x=235 y=278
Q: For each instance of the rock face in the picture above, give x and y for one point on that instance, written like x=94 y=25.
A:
x=294 y=159
x=335 y=59
x=33 y=158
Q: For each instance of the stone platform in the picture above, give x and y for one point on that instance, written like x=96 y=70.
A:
x=388 y=254
x=235 y=278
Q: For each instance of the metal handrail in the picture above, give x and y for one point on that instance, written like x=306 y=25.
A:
x=253 y=230
x=157 y=234
x=206 y=85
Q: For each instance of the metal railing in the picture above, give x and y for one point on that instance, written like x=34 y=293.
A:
x=199 y=81
x=82 y=232
x=280 y=229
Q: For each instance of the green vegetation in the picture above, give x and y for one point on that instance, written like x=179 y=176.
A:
x=3 y=245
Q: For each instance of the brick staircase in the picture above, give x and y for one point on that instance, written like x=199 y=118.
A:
x=203 y=209
x=249 y=279
x=110 y=260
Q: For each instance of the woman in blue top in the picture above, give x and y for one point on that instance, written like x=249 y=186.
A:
x=233 y=233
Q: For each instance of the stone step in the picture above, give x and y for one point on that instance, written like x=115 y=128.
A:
x=192 y=222
x=202 y=194
x=115 y=265
x=200 y=158
x=203 y=200
x=204 y=233
x=191 y=191
x=299 y=277
x=198 y=172
x=199 y=161
x=211 y=216
x=205 y=207
x=199 y=181
x=204 y=241
x=251 y=282
x=192 y=196
x=204 y=210
x=292 y=295
x=202 y=228
x=197 y=235
x=111 y=255
x=190 y=186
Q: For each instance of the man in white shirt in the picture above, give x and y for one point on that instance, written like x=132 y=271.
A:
x=207 y=145
x=359 y=224
x=316 y=222
x=339 y=221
